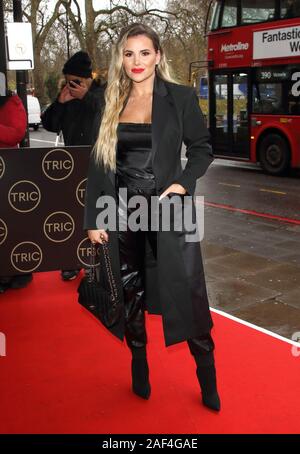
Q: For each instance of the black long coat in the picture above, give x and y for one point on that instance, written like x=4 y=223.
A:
x=180 y=282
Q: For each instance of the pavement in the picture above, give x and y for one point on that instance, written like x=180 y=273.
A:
x=252 y=267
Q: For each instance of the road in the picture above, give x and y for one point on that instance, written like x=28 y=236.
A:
x=245 y=186
x=41 y=138
x=251 y=245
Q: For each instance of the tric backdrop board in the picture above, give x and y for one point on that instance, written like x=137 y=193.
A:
x=41 y=209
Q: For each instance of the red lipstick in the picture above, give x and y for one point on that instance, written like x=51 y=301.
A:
x=137 y=70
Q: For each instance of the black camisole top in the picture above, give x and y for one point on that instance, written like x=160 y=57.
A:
x=134 y=154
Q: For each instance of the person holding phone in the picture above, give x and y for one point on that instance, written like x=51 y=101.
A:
x=76 y=111
x=146 y=118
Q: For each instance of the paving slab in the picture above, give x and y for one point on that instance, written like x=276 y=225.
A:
x=243 y=260
x=290 y=258
x=287 y=244
x=235 y=293
x=292 y=298
x=280 y=277
x=210 y=250
x=275 y=316
x=215 y=272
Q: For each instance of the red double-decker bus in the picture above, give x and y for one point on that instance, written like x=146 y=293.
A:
x=254 y=81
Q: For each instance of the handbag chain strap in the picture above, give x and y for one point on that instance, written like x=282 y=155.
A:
x=111 y=280
x=91 y=270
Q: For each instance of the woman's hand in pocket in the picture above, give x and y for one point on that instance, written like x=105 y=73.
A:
x=174 y=188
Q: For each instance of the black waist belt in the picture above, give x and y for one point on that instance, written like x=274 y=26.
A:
x=146 y=181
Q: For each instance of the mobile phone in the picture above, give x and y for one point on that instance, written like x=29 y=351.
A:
x=77 y=81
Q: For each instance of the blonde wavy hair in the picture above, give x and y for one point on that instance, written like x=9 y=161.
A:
x=118 y=90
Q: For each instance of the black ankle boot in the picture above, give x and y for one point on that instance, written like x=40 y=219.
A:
x=140 y=377
x=206 y=374
x=140 y=373
x=207 y=380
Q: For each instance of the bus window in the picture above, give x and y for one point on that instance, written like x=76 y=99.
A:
x=289 y=9
x=215 y=15
x=267 y=98
x=254 y=11
x=240 y=110
x=203 y=89
x=203 y=96
x=220 y=87
x=229 y=18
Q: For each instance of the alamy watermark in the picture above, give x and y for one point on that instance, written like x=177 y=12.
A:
x=296 y=85
x=175 y=212
x=296 y=338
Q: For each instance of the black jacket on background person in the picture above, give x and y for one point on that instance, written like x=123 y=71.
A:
x=179 y=282
x=78 y=119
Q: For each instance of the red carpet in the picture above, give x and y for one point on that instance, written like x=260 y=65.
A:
x=64 y=373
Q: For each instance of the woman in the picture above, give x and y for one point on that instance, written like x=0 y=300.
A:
x=145 y=120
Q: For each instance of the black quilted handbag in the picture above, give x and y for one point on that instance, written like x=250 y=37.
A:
x=97 y=290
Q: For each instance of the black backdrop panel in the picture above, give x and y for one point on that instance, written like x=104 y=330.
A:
x=41 y=209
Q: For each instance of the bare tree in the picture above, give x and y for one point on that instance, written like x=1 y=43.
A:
x=185 y=40
x=180 y=25
x=102 y=26
x=37 y=13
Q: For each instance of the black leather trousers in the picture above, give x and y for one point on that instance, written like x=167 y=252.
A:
x=132 y=260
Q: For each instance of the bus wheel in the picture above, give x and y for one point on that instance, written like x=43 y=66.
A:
x=274 y=154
